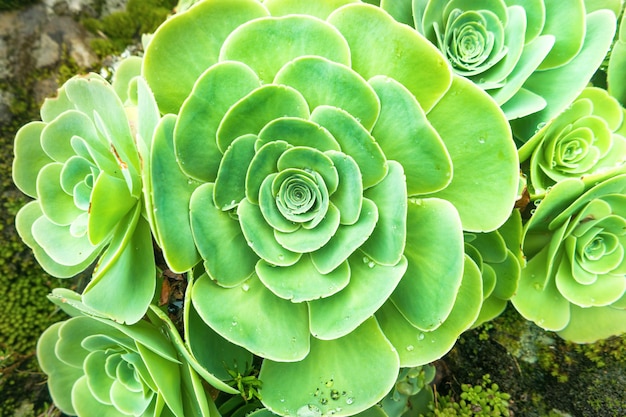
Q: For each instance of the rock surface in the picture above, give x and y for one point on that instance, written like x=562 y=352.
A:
x=42 y=37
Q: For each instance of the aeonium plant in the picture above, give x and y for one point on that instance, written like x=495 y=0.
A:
x=586 y=139
x=96 y=366
x=82 y=166
x=323 y=175
x=574 y=282
x=520 y=52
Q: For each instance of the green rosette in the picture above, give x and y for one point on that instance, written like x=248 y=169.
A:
x=82 y=166
x=586 y=139
x=329 y=174
x=96 y=366
x=520 y=52
x=574 y=281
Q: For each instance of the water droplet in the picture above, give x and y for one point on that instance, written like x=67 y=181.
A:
x=541 y=125
x=281 y=256
x=593 y=300
x=366 y=259
x=309 y=410
x=245 y=287
x=481 y=140
x=234 y=322
x=349 y=400
x=334 y=394
x=317 y=392
x=421 y=336
x=282 y=400
x=330 y=383
x=537 y=201
x=189 y=181
x=410 y=348
x=323 y=401
x=251 y=244
x=537 y=286
x=371 y=264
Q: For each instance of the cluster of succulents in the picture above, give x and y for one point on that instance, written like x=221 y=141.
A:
x=343 y=188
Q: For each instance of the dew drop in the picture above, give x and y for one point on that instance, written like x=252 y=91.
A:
x=334 y=394
x=323 y=401
x=481 y=140
x=281 y=256
x=245 y=287
x=349 y=400
x=541 y=125
x=366 y=259
x=309 y=410
x=421 y=336
x=410 y=348
x=371 y=264
x=330 y=383
x=537 y=286
x=234 y=322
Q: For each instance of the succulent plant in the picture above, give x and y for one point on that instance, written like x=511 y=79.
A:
x=617 y=65
x=575 y=244
x=96 y=366
x=325 y=176
x=586 y=139
x=498 y=255
x=519 y=52
x=82 y=166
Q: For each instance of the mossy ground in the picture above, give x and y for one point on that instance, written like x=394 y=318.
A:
x=544 y=375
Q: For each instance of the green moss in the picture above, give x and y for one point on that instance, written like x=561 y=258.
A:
x=15 y=4
x=123 y=28
x=482 y=399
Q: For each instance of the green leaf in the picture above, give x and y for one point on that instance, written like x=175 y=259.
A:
x=216 y=354
x=324 y=82
x=126 y=269
x=354 y=141
x=434 y=251
x=570 y=37
x=302 y=281
x=110 y=203
x=230 y=183
x=262 y=165
x=346 y=239
x=189 y=43
x=298 y=132
x=166 y=376
x=588 y=325
x=61 y=377
x=540 y=301
x=171 y=196
x=386 y=244
x=228 y=264
x=476 y=134
x=246 y=314
x=417 y=348
x=56 y=136
x=406 y=136
x=266 y=44
x=393 y=49
x=304 y=240
x=61 y=246
x=349 y=194
x=260 y=236
x=331 y=379
x=195 y=135
x=317 y=9
x=30 y=157
x=560 y=86
x=257 y=109
x=370 y=286
x=56 y=204
x=128 y=69
x=85 y=403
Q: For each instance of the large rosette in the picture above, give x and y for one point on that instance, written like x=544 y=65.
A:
x=327 y=174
